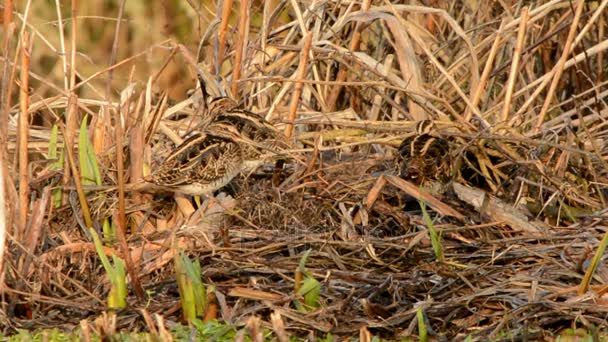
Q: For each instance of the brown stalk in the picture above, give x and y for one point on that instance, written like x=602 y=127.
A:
x=559 y=68
x=121 y=216
x=150 y=324
x=32 y=238
x=164 y=66
x=5 y=90
x=136 y=144
x=600 y=56
x=375 y=192
x=3 y=216
x=212 y=308
x=521 y=39
x=301 y=74
x=68 y=137
x=226 y=9
x=121 y=222
x=483 y=80
x=278 y=326
x=73 y=45
x=71 y=164
x=410 y=66
x=23 y=128
x=255 y=329
x=71 y=119
x=240 y=46
x=123 y=62
x=398 y=23
x=342 y=72
x=298 y=279
x=114 y=49
x=60 y=31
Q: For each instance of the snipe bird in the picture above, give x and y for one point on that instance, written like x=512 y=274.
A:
x=229 y=140
x=425 y=156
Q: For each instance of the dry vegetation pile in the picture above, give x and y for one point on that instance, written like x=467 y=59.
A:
x=489 y=116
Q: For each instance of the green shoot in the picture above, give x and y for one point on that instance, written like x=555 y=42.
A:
x=307 y=287
x=89 y=172
x=89 y=169
x=423 y=331
x=193 y=294
x=109 y=231
x=117 y=298
x=433 y=233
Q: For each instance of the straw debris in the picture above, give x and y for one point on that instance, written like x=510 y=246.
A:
x=512 y=169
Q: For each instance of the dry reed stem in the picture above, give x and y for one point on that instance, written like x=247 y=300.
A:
x=375 y=192
x=73 y=45
x=85 y=330
x=408 y=64
x=137 y=144
x=150 y=323
x=69 y=133
x=23 y=130
x=301 y=74
x=71 y=118
x=255 y=330
x=3 y=206
x=559 y=67
x=278 y=326
x=600 y=57
x=424 y=196
x=4 y=115
x=120 y=215
x=225 y=18
x=491 y=266
x=342 y=72
x=119 y=64
x=241 y=44
x=483 y=80
x=71 y=162
x=35 y=230
x=164 y=334
x=212 y=308
x=166 y=63
x=521 y=39
x=374 y=113
x=64 y=61
x=6 y=81
x=155 y=121
x=112 y=60
x=266 y=13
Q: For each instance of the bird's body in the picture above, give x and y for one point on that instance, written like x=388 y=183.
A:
x=425 y=156
x=230 y=140
x=201 y=164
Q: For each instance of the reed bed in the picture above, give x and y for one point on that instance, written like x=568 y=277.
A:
x=515 y=91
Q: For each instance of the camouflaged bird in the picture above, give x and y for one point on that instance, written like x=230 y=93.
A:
x=425 y=156
x=230 y=140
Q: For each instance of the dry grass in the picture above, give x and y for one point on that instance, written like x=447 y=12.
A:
x=516 y=90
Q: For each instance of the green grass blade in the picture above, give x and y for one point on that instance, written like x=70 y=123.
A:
x=311 y=291
x=89 y=169
x=423 y=331
x=433 y=233
x=117 y=298
x=193 y=295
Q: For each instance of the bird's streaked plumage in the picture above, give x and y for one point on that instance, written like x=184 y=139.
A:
x=229 y=140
